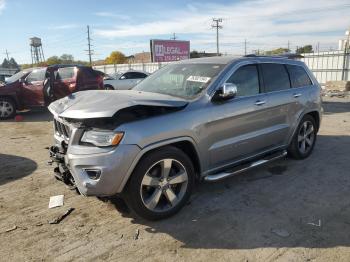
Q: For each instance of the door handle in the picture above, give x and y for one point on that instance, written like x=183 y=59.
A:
x=297 y=95
x=259 y=103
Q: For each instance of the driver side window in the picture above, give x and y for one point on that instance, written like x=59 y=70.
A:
x=246 y=78
x=36 y=75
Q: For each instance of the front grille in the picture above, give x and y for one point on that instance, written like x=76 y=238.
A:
x=62 y=130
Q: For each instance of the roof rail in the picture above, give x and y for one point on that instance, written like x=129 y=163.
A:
x=286 y=55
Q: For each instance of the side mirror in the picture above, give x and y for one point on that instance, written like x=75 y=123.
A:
x=226 y=92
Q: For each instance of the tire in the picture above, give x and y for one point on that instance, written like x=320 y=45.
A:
x=304 y=139
x=108 y=87
x=7 y=108
x=149 y=194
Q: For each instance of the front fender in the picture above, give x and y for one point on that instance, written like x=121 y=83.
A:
x=150 y=147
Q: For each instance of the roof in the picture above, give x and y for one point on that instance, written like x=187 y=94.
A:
x=231 y=59
x=211 y=60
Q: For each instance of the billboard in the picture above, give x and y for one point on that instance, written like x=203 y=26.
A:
x=169 y=50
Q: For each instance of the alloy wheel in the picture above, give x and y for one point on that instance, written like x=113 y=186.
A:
x=6 y=108
x=164 y=185
x=306 y=137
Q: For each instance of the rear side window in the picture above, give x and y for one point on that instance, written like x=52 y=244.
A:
x=36 y=75
x=133 y=75
x=275 y=77
x=298 y=76
x=90 y=73
x=65 y=73
x=246 y=79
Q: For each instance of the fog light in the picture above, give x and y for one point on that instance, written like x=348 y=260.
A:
x=93 y=174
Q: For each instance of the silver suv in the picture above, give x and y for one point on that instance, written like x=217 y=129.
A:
x=200 y=119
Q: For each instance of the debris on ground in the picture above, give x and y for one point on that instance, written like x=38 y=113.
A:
x=314 y=224
x=56 y=201
x=280 y=232
x=137 y=234
x=19 y=137
x=60 y=218
x=10 y=229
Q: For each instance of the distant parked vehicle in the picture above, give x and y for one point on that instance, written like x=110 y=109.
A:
x=38 y=87
x=124 y=81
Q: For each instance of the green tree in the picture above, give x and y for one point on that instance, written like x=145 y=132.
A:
x=116 y=57
x=13 y=63
x=277 y=51
x=304 y=49
x=5 y=63
x=53 y=60
x=67 y=59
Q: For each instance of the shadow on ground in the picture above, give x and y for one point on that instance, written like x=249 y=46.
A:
x=331 y=107
x=287 y=203
x=34 y=115
x=15 y=167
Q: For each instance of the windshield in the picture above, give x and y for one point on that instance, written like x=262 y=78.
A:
x=15 y=77
x=183 y=80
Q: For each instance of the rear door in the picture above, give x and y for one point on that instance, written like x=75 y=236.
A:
x=32 y=89
x=65 y=81
x=280 y=109
x=300 y=82
x=89 y=79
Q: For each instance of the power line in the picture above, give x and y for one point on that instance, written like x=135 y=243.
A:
x=217 y=25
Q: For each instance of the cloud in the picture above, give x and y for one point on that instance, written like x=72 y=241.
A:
x=265 y=23
x=112 y=15
x=2 y=5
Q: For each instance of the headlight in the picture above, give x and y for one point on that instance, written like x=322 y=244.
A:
x=102 y=138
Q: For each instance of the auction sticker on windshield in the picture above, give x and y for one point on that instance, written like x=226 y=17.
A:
x=201 y=79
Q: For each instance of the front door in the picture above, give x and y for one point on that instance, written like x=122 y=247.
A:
x=32 y=88
x=238 y=125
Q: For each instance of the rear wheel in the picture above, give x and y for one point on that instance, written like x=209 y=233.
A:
x=7 y=108
x=108 y=87
x=161 y=184
x=304 y=138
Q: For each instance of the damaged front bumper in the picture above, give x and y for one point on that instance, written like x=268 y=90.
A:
x=96 y=174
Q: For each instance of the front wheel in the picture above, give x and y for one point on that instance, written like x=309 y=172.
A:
x=304 y=139
x=7 y=108
x=161 y=184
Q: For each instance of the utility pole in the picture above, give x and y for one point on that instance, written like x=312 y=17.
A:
x=7 y=55
x=217 y=25
x=245 y=46
x=288 y=46
x=89 y=45
x=173 y=37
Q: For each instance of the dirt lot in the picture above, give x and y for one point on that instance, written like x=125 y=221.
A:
x=286 y=211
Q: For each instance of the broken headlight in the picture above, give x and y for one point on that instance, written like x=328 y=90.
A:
x=102 y=138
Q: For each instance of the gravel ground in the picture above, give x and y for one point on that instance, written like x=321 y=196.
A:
x=286 y=211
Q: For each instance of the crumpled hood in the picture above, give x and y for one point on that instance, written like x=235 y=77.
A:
x=98 y=103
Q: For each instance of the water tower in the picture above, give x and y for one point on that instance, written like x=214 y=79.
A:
x=36 y=50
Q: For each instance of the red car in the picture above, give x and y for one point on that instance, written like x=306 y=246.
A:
x=38 y=87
